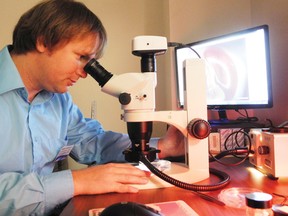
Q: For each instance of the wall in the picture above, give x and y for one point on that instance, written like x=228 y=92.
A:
x=123 y=21
x=11 y=10
x=276 y=16
x=202 y=19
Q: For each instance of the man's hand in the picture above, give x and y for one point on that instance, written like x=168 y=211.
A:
x=108 y=178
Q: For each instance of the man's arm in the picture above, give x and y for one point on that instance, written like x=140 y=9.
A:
x=26 y=194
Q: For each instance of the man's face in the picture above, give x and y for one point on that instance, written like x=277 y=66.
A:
x=63 y=66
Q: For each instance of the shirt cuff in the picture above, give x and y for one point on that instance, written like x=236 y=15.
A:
x=154 y=142
x=58 y=187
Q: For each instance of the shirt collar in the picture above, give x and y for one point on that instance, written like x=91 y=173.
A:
x=10 y=78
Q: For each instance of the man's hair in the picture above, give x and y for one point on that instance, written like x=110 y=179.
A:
x=56 y=22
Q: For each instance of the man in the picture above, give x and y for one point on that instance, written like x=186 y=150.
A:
x=40 y=125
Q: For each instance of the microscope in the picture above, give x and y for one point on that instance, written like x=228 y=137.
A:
x=136 y=94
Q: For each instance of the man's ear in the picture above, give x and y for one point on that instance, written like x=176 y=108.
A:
x=40 y=45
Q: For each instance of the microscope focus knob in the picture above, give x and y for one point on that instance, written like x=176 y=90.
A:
x=199 y=128
x=124 y=98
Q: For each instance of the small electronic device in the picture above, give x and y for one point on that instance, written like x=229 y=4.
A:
x=270 y=152
x=150 y=44
x=238 y=74
x=129 y=209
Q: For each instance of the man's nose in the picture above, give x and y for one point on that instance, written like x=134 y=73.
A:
x=80 y=72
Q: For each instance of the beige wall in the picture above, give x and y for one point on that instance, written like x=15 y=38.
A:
x=276 y=15
x=192 y=20
x=10 y=12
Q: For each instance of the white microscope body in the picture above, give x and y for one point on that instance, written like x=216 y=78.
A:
x=136 y=93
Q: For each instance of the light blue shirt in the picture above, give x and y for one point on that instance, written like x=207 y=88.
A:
x=32 y=136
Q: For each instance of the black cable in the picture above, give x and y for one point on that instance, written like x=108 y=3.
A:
x=176 y=44
x=193 y=187
x=246 y=118
x=236 y=139
x=246 y=113
x=270 y=123
x=235 y=152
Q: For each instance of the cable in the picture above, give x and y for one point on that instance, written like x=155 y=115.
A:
x=270 y=123
x=236 y=133
x=176 y=44
x=193 y=187
x=246 y=113
x=235 y=152
x=246 y=118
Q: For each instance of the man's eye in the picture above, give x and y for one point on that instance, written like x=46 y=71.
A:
x=84 y=58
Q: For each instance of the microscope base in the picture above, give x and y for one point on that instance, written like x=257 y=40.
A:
x=177 y=171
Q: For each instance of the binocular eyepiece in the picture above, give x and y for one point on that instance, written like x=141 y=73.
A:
x=98 y=72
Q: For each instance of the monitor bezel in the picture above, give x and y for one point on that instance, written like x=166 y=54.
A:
x=269 y=103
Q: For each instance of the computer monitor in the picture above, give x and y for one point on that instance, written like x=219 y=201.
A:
x=238 y=74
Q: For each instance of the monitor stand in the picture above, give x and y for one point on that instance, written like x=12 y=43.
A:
x=223 y=120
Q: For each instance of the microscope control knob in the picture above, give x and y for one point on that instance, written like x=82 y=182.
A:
x=199 y=128
x=124 y=98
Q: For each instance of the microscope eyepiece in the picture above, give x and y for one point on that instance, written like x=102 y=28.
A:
x=99 y=73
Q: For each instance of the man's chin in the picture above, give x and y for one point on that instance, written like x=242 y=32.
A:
x=62 y=90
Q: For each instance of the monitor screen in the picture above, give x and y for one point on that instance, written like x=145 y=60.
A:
x=238 y=74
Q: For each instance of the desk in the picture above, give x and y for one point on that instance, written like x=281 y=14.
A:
x=243 y=175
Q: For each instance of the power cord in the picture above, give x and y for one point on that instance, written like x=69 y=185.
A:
x=176 y=44
x=225 y=179
x=236 y=151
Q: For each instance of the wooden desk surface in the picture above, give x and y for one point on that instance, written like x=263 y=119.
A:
x=243 y=175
